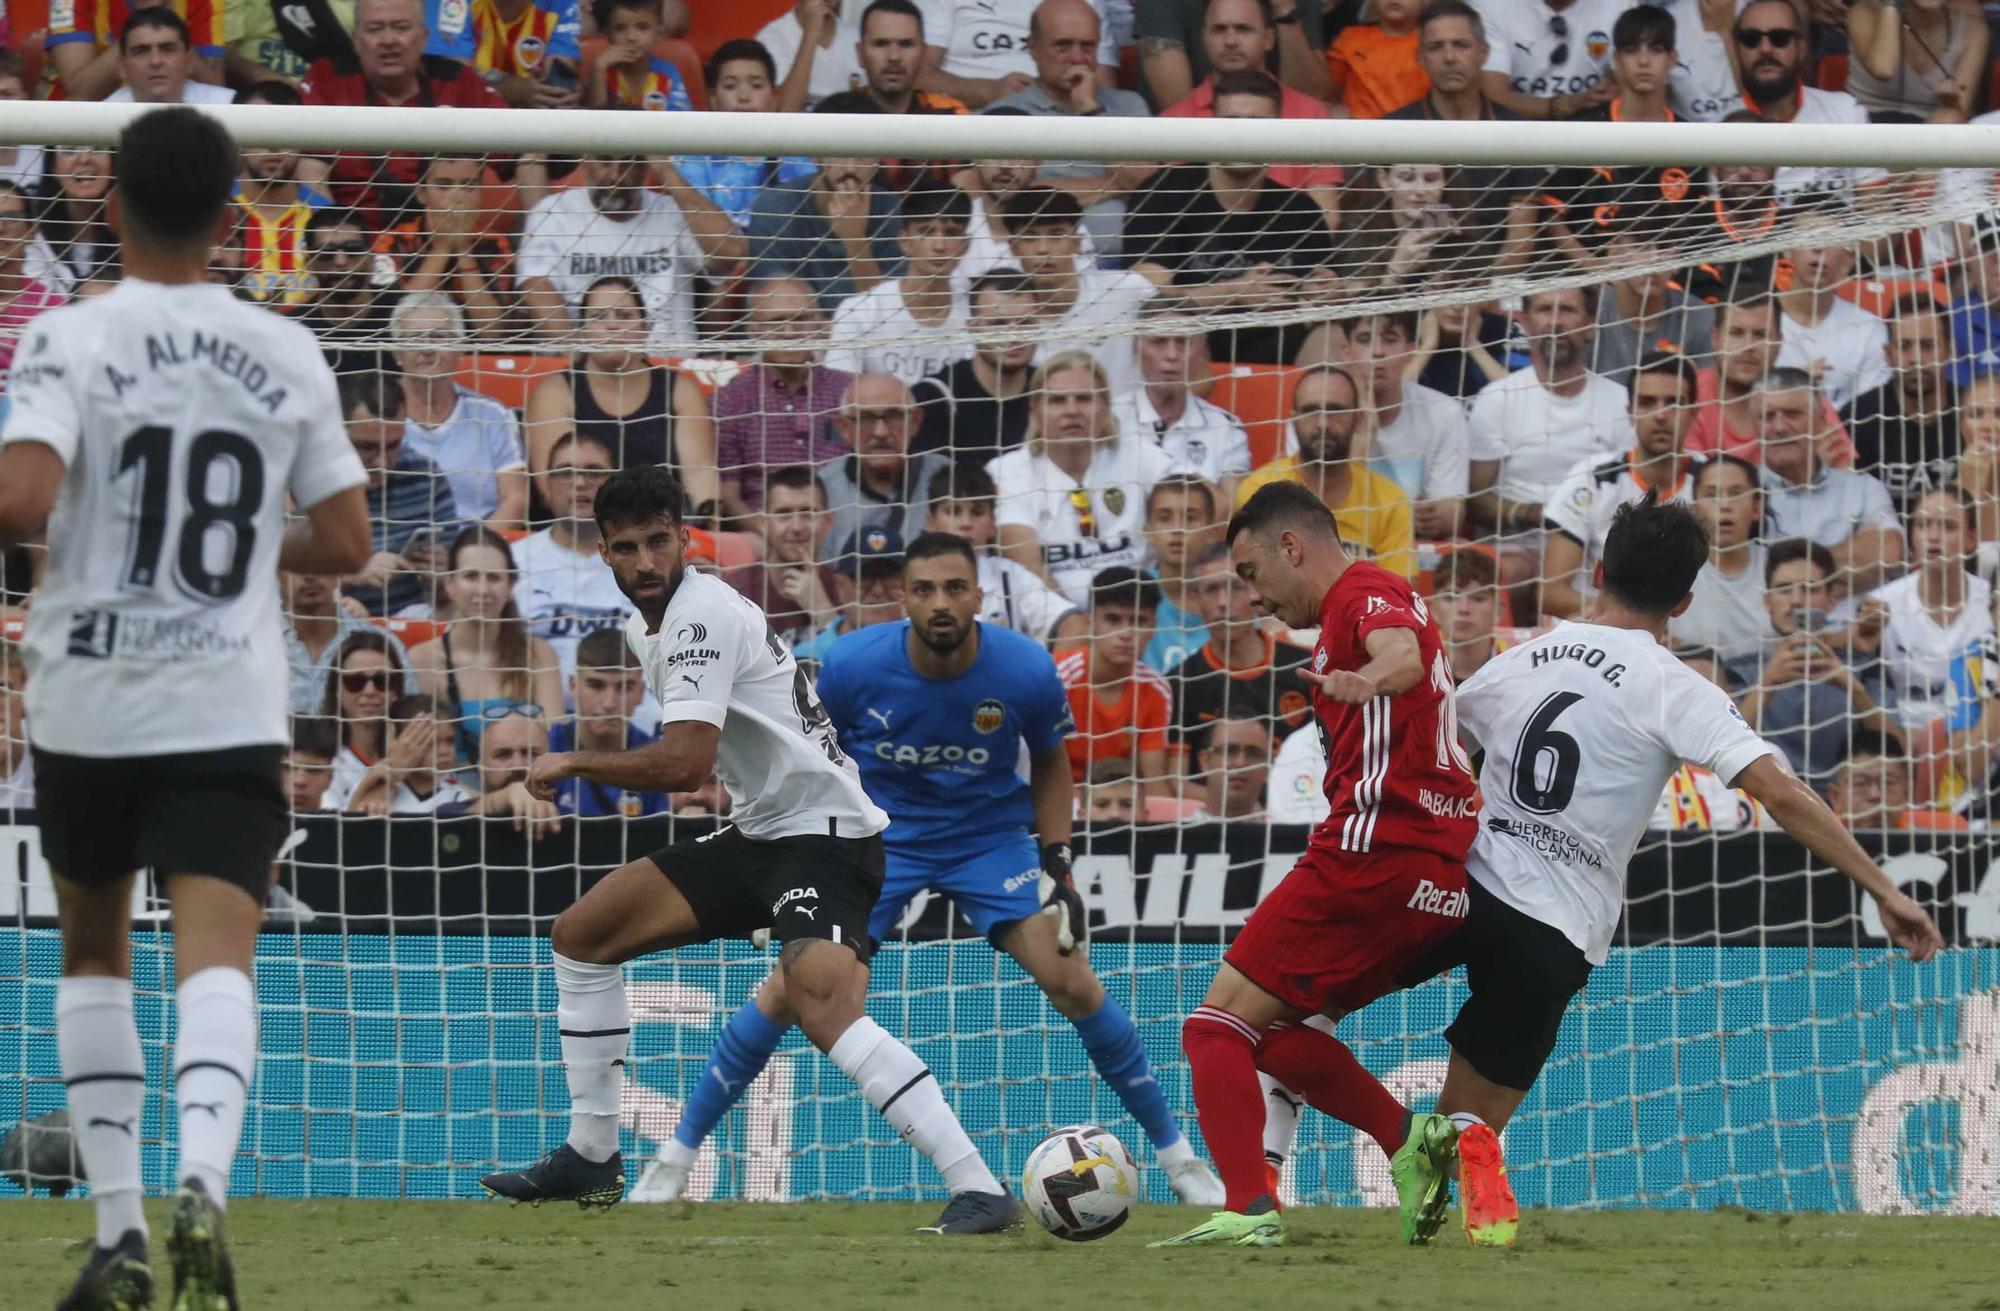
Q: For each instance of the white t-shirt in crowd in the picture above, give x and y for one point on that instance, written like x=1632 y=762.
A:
x=986 y=250
x=1925 y=659
x=1522 y=42
x=1853 y=343
x=1104 y=298
x=564 y=595
x=1538 y=436
x=1206 y=438
x=1582 y=727
x=476 y=441
x=989 y=38
x=569 y=241
x=185 y=419
x=874 y=332
x=1425 y=450
x=1830 y=509
x=1583 y=505
x=836 y=68
x=1728 y=613
x=192 y=93
x=1012 y=596
x=713 y=660
x=1294 y=792
x=1035 y=494
x=1702 y=88
x=1836 y=108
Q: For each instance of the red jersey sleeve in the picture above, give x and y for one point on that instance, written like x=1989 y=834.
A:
x=1385 y=602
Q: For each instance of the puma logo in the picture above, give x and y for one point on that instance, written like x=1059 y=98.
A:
x=728 y=1085
x=122 y=1126
x=880 y=716
x=213 y=1108
x=691 y=681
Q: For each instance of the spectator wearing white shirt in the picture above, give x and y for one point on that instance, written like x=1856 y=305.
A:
x=915 y=324
x=1578 y=516
x=1847 y=512
x=961 y=501
x=1935 y=622
x=309 y=763
x=818 y=50
x=1076 y=304
x=414 y=776
x=1415 y=436
x=1073 y=500
x=471 y=438
x=662 y=238
x=157 y=60
x=1195 y=434
x=1771 y=52
x=979 y=50
x=1703 y=86
x=1528 y=430
x=565 y=588
x=1844 y=347
x=1549 y=60
x=1728 y=615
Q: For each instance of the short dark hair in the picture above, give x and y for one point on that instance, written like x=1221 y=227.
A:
x=605 y=648
x=175 y=170
x=961 y=482
x=1249 y=82
x=1463 y=570
x=1000 y=282
x=333 y=217
x=1798 y=548
x=929 y=546
x=1669 y=362
x=601 y=10
x=313 y=735
x=1646 y=25
x=1591 y=292
x=1237 y=712
x=408 y=706
x=1914 y=303
x=902 y=7
x=1871 y=742
x=1211 y=554
x=1280 y=505
x=154 y=16
x=1187 y=484
x=1121 y=584
x=933 y=204
x=795 y=478
x=1404 y=319
x=1437 y=10
x=741 y=50
x=273 y=92
x=1652 y=554
x=1033 y=207
x=639 y=494
x=370 y=390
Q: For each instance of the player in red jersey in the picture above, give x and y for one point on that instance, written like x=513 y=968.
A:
x=1381 y=882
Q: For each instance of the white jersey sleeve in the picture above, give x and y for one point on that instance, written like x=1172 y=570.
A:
x=326 y=462
x=1699 y=724
x=43 y=393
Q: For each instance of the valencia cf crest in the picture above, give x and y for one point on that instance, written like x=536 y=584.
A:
x=528 y=52
x=1674 y=184
x=656 y=100
x=988 y=715
x=1597 y=45
x=1114 y=500
x=876 y=540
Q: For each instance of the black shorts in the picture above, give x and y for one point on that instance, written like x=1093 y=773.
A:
x=220 y=813
x=803 y=887
x=1521 y=974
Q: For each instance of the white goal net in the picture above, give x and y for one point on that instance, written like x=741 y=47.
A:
x=1056 y=340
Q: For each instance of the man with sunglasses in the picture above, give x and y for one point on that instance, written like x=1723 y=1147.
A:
x=1549 y=58
x=1771 y=53
x=341 y=308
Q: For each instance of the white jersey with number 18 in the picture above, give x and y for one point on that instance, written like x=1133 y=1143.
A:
x=1582 y=727
x=184 y=419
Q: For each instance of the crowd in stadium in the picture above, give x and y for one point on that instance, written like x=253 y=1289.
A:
x=1040 y=357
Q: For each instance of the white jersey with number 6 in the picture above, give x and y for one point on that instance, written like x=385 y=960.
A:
x=184 y=418
x=1582 y=727
x=715 y=660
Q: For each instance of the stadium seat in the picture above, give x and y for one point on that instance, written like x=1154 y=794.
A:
x=711 y=22
x=508 y=378
x=723 y=550
x=1260 y=395
x=1171 y=810
x=1832 y=75
x=411 y=633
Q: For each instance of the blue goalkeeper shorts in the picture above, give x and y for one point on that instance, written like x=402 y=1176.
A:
x=996 y=883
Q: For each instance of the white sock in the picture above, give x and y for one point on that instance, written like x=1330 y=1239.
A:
x=1174 y=1153
x=105 y=1073
x=1281 y=1118
x=901 y=1087
x=596 y=1027
x=1463 y=1120
x=214 y=1060
x=676 y=1152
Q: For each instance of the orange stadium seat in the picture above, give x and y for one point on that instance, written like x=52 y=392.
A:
x=1170 y=810
x=1260 y=395
x=508 y=378
x=410 y=632
x=711 y=22
x=1832 y=75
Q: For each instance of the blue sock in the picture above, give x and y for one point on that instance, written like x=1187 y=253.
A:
x=1113 y=1045
x=740 y=1055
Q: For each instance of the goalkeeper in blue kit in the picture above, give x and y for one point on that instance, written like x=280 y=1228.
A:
x=934 y=710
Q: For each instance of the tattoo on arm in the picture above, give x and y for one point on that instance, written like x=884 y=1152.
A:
x=1158 y=45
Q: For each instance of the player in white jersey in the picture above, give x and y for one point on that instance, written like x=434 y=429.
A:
x=159 y=431
x=800 y=856
x=1581 y=729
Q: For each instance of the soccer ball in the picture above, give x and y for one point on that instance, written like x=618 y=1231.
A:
x=1080 y=1183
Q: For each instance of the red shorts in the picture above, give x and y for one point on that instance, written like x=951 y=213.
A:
x=1341 y=928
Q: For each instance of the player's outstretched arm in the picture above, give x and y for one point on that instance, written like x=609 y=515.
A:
x=1801 y=813
x=31 y=474
x=334 y=539
x=680 y=761
x=1395 y=663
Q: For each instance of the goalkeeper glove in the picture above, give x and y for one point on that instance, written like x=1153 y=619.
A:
x=1061 y=900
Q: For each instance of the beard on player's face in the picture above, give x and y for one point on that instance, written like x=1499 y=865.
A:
x=943 y=632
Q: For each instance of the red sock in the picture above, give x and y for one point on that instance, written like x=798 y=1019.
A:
x=1320 y=1068
x=1228 y=1100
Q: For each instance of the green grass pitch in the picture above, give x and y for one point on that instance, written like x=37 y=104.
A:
x=347 y=1256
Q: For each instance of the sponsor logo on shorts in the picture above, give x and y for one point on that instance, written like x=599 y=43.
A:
x=1021 y=880
x=1434 y=900
x=797 y=895
x=1447 y=807
x=988 y=715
